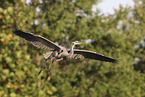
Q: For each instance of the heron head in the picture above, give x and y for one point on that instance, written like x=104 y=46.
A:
x=77 y=43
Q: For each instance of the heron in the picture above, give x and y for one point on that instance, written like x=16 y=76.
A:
x=58 y=53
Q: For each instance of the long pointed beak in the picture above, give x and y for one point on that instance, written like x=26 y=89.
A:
x=81 y=43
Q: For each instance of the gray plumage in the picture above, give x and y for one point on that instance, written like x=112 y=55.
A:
x=58 y=53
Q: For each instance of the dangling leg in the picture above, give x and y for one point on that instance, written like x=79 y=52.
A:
x=43 y=66
x=49 y=69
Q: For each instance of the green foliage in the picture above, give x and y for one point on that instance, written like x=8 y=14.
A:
x=64 y=21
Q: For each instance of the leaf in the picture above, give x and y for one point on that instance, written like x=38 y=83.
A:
x=13 y=95
x=8 y=59
x=49 y=92
x=6 y=71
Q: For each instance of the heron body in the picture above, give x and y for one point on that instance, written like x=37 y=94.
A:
x=59 y=53
x=63 y=52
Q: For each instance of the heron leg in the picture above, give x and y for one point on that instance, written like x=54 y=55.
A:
x=49 y=69
x=43 y=67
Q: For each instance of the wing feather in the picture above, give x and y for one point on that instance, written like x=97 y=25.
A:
x=92 y=55
x=37 y=40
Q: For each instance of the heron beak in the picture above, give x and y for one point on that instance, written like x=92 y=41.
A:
x=81 y=43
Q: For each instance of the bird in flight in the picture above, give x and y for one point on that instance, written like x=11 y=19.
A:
x=58 y=53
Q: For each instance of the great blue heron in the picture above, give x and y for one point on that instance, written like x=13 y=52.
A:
x=58 y=53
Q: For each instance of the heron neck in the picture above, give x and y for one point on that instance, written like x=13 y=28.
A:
x=72 y=49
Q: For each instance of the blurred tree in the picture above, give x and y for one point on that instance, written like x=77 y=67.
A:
x=139 y=21
x=139 y=18
x=64 y=21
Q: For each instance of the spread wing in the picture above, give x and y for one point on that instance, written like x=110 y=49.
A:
x=37 y=40
x=92 y=55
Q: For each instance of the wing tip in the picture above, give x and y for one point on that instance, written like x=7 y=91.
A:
x=115 y=61
x=16 y=28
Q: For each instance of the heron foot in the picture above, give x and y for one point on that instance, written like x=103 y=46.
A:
x=42 y=77
x=49 y=70
x=47 y=75
x=39 y=72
